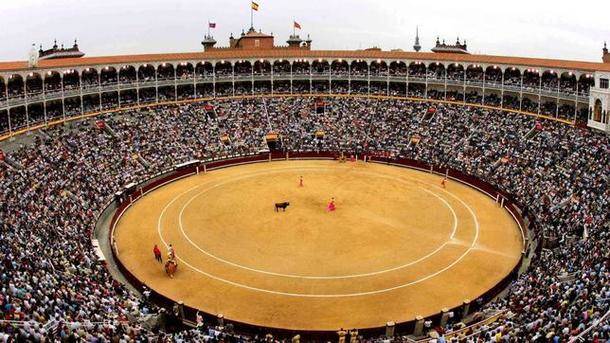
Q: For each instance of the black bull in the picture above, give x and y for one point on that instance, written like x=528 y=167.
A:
x=281 y=205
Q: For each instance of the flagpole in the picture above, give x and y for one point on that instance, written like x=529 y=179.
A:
x=294 y=29
x=251 y=16
x=208 y=27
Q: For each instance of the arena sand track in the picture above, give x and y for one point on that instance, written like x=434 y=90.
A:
x=398 y=246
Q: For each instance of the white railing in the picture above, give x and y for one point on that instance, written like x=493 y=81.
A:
x=581 y=337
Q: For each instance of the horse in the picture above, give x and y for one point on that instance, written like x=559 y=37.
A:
x=281 y=205
x=170 y=268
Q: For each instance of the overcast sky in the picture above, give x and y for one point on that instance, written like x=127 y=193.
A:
x=537 y=28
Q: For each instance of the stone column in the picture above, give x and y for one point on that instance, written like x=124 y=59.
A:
x=444 y=316
x=389 y=329
x=465 y=308
x=419 y=326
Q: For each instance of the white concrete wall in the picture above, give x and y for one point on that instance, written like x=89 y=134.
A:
x=604 y=96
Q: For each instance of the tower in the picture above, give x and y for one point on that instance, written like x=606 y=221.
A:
x=33 y=57
x=308 y=42
x=294 y=41
x=599 y=98
x=208 y=42
x=417 y=46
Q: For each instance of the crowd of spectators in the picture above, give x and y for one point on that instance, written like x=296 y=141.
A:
x=54 y=187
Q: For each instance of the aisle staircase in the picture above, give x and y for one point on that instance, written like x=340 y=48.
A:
x=534 y=131
x=429 y=115
x=11 y=162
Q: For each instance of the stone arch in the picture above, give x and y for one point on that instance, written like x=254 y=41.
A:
x=146 y=72
x=436 y=70
x=359 y=68
x=15 y=86
x=585 y=82
x=33 y=83
x=398 y=68
x=474 y=72
x=281 y=67
x=455 y=71
x=320 y=66
x=531 y=78
x=127 y=74
x=567 y=82
x=301 y=67
x=71 y=79
x=2 y=88
x=243 y=68
x=417 y=70
x=339 y=67
x=493 y=74
x=204 y=70
x=262 y=67
x=512 y=76
x=550 y=80
x=165 y=71
x=89 y=77
x=379 y=68
x=184 y=70
x=223 y=68
x=109 y=75
x=52 y=81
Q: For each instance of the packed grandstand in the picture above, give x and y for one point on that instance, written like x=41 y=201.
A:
x=76 y=131
x=55 y=287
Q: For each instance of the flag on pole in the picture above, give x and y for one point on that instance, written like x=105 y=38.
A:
x=297 y=25
x=212 y=25
x=254 y=6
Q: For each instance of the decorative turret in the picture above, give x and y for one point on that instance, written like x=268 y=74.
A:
x=208 y=42
x=33 y=57
x=606 y=56
x=308 y=42
x=57 y=52
x=255 y=39
x=416 y=46
x=294 y=41
x=457 y=48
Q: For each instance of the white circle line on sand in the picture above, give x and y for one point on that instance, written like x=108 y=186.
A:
x=309 y=277
x=346 y=294
x=214 y=277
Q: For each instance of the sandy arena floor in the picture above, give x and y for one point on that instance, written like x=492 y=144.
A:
x=398 y=245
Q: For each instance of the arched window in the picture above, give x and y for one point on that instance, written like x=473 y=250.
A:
x=597 y=111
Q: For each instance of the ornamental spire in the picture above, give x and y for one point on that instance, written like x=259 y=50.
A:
x=417 y=46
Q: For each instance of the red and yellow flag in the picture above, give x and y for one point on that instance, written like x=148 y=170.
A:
x=254 y=6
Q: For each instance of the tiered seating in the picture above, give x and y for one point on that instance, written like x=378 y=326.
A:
x=52 y=284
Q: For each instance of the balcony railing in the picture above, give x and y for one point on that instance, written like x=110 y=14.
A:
x=564 y=92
